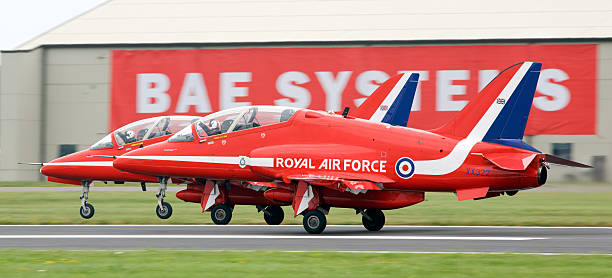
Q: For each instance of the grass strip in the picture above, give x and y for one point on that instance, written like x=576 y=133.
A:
x=173 y=263
x=526 y=208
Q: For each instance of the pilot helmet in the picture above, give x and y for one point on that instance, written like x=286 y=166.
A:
x=213 y=124
x=130 y=135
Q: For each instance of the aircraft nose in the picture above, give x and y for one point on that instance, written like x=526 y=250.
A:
x=127 y=164
x=46 y=170
x=49 y=169
x=137 y=161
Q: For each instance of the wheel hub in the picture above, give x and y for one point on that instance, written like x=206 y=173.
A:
x=313 y=222
x=220 y=214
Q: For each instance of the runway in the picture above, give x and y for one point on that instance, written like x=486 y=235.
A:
x=294 y=238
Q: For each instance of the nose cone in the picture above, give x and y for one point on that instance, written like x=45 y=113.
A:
x=142 y=161
x=48 y=169
x=59 y=168
x=129 y=163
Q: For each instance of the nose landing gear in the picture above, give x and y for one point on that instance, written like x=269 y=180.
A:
x=163 y=209
x=87 y=209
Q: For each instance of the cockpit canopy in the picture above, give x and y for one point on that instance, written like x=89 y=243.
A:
x=235 y=119
x=145 y=129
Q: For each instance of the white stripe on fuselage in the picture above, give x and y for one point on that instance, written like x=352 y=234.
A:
x=232 y=160
x=81 y=163
x=457 y=156
x=380 y=114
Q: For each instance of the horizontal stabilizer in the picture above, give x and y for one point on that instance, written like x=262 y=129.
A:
x=511 y=161
x=471 y=193
x=565 y=162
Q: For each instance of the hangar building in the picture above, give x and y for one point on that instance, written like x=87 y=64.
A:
x=55 y=90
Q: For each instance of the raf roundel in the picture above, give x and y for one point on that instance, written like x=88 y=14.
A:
x=242 y=161
x=404 y=168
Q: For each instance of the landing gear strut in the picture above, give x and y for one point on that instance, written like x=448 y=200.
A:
x=314 y=221
x=163 y=209
x=87 y=209
x=372 y=219
x=274 y=215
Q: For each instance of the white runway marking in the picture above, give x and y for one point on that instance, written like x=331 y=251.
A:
x=321 y=237
x=289 y=226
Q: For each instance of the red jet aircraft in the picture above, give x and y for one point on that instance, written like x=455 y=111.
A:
x=95 y=163
x=315 y=160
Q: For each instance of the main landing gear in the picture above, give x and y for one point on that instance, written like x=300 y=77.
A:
x=307 y=201
x=274 y=215
x=87 y=209
x=163 y=209
x=314 y=221
x=221 y=214
x=372 y=219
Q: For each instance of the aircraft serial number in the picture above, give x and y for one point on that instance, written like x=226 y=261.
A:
x=478 y=172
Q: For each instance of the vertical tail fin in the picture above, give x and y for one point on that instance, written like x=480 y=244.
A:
x=501 y=110
x=391 y=102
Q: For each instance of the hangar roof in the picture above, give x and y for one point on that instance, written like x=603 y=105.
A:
x=235 y=21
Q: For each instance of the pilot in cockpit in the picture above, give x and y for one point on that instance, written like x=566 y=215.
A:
x=130 y=136
x=212 y=128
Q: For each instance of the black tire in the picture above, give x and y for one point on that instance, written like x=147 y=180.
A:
x=314 y=222
x=274 y=216
x=221 y=214
x=376 y=222
x=165 y=211
x=87 y=211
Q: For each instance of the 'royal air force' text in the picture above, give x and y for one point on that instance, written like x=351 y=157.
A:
x=333 y=164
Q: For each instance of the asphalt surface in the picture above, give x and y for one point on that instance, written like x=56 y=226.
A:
x=294 y=238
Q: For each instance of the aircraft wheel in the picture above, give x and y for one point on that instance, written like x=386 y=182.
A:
x=274 y=216
x=376 y=219
x=221 y=214
x=314 y=222
x=165 y=211
x=87 y=211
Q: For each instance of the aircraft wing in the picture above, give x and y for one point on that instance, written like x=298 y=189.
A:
x=340 y=182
